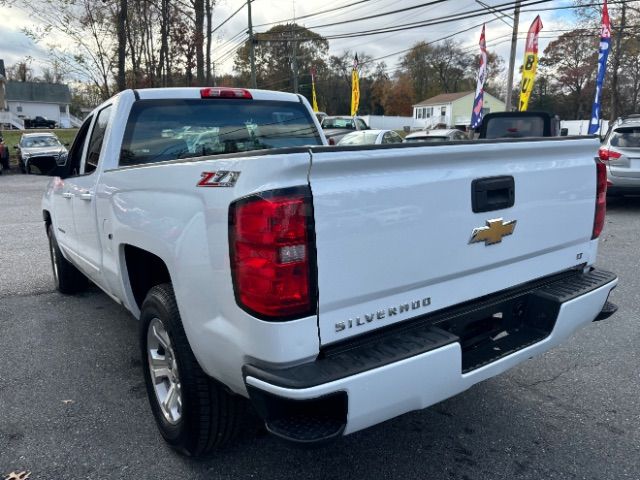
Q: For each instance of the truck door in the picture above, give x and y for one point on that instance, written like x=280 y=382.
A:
x=63 y=195
x=84 y=201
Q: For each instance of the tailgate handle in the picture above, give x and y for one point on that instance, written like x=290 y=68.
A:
x=492 y=193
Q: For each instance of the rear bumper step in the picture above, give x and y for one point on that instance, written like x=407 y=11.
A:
x=468 y=339
x=609 y=309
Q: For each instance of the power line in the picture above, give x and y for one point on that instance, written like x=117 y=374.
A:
x=312 y=14
x=230 y=17
x=369 y=17
x=412 y=25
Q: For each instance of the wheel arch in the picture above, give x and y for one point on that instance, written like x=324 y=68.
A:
x=143 y=271
x=46 y=216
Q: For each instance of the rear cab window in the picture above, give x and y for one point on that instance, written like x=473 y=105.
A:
x=170 y=129
x=625 y=137
x=515 y=127
x=346 y=123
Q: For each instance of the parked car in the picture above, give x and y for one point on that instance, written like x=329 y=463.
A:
x=44 y=151
x=4 y=156
x=370 y=137
x=334 y=290
x=436 y=135
x=320 y=116
x=39 y=122
x=620 y=151
x=336 y=127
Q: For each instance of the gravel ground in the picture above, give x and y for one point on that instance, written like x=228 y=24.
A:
x=74 y=405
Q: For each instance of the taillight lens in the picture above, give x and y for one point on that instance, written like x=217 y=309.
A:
x=601 y=199
x=225 y=92
x=273 y=254
x=605 y=154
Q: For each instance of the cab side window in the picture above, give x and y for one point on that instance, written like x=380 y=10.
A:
x=75 y=152
x=97 y=137
x=361 y=124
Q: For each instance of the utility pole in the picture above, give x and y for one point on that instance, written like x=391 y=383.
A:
x=512 y=57
x=617 y=54
x=252 y=53
x=294 y=64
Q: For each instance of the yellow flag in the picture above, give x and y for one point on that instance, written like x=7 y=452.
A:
x=314 y=101
x=355 y=88
x=530 y=64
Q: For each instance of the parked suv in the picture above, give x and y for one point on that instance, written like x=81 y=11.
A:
x=41 y=150
x=620 y=151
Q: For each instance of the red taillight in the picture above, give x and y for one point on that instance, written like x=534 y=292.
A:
x=273 y=254
x=605 y=154
x=225 y=92
x=601 y=199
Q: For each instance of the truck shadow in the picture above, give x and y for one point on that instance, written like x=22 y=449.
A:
x=505 y=427
x=624 y=204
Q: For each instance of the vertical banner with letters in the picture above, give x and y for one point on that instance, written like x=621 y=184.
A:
x=530 y=64
x=314 y=101
x=478 y=101
x=603 y=54
x=355 y=88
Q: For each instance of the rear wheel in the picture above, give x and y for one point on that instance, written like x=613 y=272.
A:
x=68 y=279
x=194 y=414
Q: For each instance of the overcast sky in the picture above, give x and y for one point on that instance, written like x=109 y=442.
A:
x=14 y=45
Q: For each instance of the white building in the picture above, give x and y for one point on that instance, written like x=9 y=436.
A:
x=32 y=99
x=20 y=100
x=451 y=110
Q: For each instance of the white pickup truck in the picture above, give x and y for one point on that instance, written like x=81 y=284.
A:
x=335 y=288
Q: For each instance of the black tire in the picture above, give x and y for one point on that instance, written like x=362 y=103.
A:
x=210 y=416
x=22 y=168
x=68 y=278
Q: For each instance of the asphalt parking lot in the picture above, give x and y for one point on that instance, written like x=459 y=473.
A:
x=73 y=403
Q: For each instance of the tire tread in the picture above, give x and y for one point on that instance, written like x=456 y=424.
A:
x=216 y=419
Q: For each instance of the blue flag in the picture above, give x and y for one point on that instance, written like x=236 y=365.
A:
x=478 y=102
x=603 y=54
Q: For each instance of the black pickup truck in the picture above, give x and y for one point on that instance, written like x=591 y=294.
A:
x=39 y=122
x=520 y=124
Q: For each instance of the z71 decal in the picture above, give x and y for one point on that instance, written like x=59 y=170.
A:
x=221 y=178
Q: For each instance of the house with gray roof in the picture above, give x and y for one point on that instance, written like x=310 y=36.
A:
x=20 y=100
x=32 y=99
x=451 y=110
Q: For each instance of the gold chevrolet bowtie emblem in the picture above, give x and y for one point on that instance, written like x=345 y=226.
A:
x=493 y=232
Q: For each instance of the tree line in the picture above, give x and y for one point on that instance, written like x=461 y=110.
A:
x=118 y=44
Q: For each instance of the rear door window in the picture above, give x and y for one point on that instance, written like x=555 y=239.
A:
x=97 y=137
x=161 y=130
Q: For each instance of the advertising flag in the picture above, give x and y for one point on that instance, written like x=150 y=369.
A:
x=530 y=64
x=478 y=102
x=355 y=87
x=314 y=101
x=603 y=54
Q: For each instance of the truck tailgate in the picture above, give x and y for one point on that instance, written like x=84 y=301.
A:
x=394 y=226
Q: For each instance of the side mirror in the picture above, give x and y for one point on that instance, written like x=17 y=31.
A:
x=15 y=146
x=67 y=144
x=564 y=132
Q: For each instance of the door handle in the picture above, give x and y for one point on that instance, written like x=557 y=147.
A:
x=86 y=196
x=67 y=195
